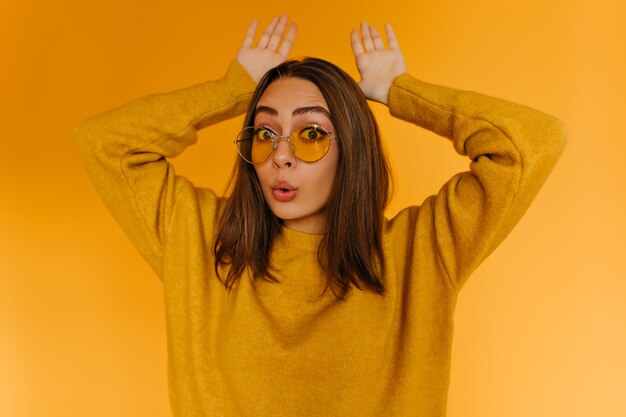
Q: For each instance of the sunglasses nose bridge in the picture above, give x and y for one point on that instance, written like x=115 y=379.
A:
x=284 y=154
x=277 y=139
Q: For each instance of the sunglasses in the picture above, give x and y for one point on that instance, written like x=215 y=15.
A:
x=309 y=143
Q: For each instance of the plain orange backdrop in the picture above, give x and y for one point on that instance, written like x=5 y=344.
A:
x=540 y=327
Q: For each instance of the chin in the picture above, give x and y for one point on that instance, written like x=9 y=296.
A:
x=286 y=213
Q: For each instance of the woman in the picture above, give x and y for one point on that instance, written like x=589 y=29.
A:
x=251 y=329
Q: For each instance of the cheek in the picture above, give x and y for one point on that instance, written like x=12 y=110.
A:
x=263 y=176
x=261 y=173
x=328 y=173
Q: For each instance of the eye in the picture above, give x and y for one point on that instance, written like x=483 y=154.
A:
x=263 y=134
x=313 y=133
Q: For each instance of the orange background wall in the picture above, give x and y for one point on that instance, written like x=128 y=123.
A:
x=539 y=327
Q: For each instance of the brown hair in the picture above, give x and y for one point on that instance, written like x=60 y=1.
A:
x=351 y=250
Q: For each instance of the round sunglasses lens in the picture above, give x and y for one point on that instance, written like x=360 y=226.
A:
x=311 y=143
x=254 y=144
x=261 y=145
x=244 y=144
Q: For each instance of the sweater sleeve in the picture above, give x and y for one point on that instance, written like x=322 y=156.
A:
x=124 y=151
x=512 y=149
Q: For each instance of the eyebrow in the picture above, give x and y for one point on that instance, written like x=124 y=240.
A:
x=300 y=110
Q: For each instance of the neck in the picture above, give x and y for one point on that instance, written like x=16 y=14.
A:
x=314 y=224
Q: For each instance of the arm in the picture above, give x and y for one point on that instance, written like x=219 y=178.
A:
x=125 y=149
x=512 y=149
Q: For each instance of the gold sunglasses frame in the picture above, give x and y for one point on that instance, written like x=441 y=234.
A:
x=277 y=138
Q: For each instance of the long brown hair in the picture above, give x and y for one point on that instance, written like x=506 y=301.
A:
x=351 y=251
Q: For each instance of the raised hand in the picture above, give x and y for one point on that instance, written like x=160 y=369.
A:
x=377 y=64
x=258 y=60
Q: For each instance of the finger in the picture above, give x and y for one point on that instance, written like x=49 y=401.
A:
x=391 y=38
x=277 y=34
x=285 y=48
x=367 y=37
x=247 y=42
x=378 y=41
x=265 y=38
x=357 y=46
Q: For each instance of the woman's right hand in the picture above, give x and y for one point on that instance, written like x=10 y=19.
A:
x=260 y=59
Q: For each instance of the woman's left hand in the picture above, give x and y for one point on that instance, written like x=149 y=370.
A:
x=378 y=65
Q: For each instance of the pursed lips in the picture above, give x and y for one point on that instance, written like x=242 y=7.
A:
x=283 y=191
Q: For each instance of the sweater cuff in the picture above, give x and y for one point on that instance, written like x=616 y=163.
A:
x=427 y=105
x=240 y=76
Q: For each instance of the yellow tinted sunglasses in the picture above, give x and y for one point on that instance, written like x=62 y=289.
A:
x=309 y=143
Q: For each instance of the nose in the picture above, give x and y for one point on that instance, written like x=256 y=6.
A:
x=282 y=155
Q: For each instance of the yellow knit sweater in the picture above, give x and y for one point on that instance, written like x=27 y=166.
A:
x=275 y=351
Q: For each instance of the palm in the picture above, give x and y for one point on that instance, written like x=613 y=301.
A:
x=266 y=54
x=258 y=61
x=377 y=65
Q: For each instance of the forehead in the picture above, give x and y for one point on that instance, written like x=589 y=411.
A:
x=288 y=94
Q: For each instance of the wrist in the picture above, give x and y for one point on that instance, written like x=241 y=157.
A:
x=378 y=92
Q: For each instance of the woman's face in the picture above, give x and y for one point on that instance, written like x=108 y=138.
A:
x=296 y=191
